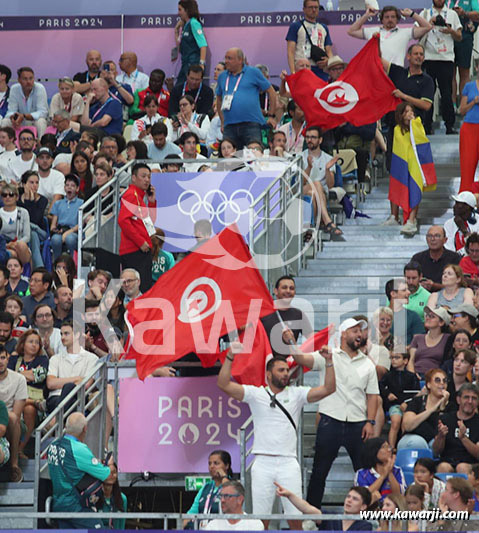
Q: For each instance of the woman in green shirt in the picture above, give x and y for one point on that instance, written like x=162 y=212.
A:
x=115 y=501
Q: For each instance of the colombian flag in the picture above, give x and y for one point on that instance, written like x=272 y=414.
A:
x=412 y=167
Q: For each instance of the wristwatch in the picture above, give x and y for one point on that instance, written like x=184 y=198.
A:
x=372 y=422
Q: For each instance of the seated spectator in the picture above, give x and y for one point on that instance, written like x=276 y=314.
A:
x=15 y=227
x=465 y=317
x=172 y=166
x=457 y=440
x=65 y=134
x=36 y=205
x=51 y=182
x=277 y=144
x=162 y=260
x=142 y=126
x=226 y=149
x=188 y=119
x=112 y=305
x=8 y=148
x=110 y=145
x=17 y=284
x=418 y=295
x=23 y=161
x=378 y=472
x=27 y=103
x=473 y=478
x=391 y=503
x=416 y=501
x=98 y=281
x=102 y=157
x=420 y=421
x=454 y=292
x=43 y=321
x=62 y=161
x=382 y=322
x=464 y=361
x=66 y=372
x=7 y=339
x=195 y=87
x=460 y=339
x=102 y=112
x=424 y=470
x=82 y=80
x=66 y=99
x=80 y=168
x=188 y=143
x=131 y=282
x=63 y=297
x=130 y=74
x=136 y=150
x=31 y=364
x=13 y=393
x=113 y=500
x=5 y=76
x=14 y=306
x=358 y=499
x=119 y=91
x=64 y=271
x=4 y=444
x=463 y=223
x=160 y=147
x=427 y=349
x=155 y=88
x=294 y=129
x=40 y=284
x=470 y=262
x=64 y=228
x=392 y=387
x=103 y=174
x=95 y=341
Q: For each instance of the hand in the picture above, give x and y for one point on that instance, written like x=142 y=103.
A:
x=170 y=83
x=445 y=398
x=462 y=429
x=145 y=247
x=370 y=11
x=398 y=94
x=279 y=151
x=288 y=337
x=403 y=407
x=281 y=491
x=165 y=372
x=368 y=431
x=443 y=430
x=330 y=164
x=90 y=96
x=327 y=353
x=460 y=224
x=407 y=12
x=442 y=502
x=46 y=344
x=310 y=161
x=142 y=134
x=423 y=483
x=272 y=122
x=459 y=11
x=179 y=24
x=428 y=284
x=88 y=341
x=283 y=75
x=63 y=277
x=152 y=193
x=65 y=235
x=18 y=120
x=392 y=397
x=236 y=347
x=322 y=63
x=447 y=30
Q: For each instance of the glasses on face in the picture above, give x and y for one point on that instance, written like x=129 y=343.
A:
x=228 y=496
x=433 y=236
x=128 y=281
x=8 y=194
x=440 y=380
x=44 y=315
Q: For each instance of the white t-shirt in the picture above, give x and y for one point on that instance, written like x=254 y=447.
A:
x=318 y=172
x=17 y=166
x=273 y=432
x=62 y=366
x=394 y=43
x=440 y=46
x=53 y=184
x=5 y=158
x=220 y=524
x=9 y=223
x=13 y=388
x=56 y=342
x=193 y=167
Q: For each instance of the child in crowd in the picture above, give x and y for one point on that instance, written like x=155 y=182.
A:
x=424 y=471
x=14 y=306
x=415 y=497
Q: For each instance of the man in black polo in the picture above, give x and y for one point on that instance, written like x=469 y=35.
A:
x=286 y=317
x=412 y=85
x=196 y=88
x=435 y=258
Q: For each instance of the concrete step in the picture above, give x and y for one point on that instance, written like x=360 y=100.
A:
x=343 y=303
x=16 y=494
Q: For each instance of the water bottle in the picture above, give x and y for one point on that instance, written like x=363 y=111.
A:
x=329 y=5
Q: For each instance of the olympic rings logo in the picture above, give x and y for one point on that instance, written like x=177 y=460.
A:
x=226 y=206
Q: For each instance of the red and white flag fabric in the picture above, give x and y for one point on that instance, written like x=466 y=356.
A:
x=213 y=291
x=361 y=95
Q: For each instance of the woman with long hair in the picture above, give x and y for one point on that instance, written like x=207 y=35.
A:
x=424 y=475
x=113 y=501
x=80 y=166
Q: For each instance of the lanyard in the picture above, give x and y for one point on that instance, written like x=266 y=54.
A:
x=197 y=94
x=134 y=79
x=236 y=86
x=98 y=110
x=266 y=101
x=140 y=206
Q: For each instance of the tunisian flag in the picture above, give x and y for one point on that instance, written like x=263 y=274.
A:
x=361 y=95
x=213 y=291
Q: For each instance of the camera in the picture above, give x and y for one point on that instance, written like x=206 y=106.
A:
x=440 y=21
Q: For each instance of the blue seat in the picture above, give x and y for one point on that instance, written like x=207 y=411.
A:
x=407 y=457
x=409 y=477
x=449 y=475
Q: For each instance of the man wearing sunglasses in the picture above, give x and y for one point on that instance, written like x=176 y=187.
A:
x=276 y=410
x=232 y=498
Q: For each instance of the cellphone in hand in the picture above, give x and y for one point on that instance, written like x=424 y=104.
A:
x=149 y=190
x=106 y=67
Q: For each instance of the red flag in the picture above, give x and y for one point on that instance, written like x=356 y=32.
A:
x=211 y=292
x=313 y=344
x=361 y=95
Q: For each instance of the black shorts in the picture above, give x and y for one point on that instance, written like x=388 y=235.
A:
x=463 y=50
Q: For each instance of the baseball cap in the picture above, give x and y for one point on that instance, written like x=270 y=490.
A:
x=442 y=313
x=465 y=197
x=465 y=308
x=45 y=150
x=351 y=323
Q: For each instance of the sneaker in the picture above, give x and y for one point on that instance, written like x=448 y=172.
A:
x=391 y=221
x=410 y=228
x=16 y=474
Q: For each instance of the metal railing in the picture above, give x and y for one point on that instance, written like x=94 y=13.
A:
x=86 y=397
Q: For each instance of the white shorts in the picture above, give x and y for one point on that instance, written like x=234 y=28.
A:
x=265 y=470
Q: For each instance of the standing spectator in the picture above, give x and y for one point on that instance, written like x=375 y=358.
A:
x=130 y=74
x=155 y=88
x=190 y=38
x=469 y=134
x=275 y=433
x=136 y=221
x=162 y=260
x=64 y=228
x=308 y=39
x=30 y=362
x=462 y=224
x=13 y=392
x=23 y=161
x=195 y=87
x=237 y=100
x=102 y=111
x=82 y=80
x=394 y=40
x=66 y=99
x=5 y=76
x=439 y=63
x=348 y=416
x=17 y=284
x=220 y=66
x=27 y=103
x=40 y=284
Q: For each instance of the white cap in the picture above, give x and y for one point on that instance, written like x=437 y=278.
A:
x=465 y=197
x=351 y=323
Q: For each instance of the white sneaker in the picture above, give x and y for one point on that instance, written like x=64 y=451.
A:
x=410 y=228
x=391 y=221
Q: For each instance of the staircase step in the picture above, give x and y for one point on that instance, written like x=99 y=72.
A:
x=16 y=494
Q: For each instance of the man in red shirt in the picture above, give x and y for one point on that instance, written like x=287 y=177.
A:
x=136 y=221
x=155 y=87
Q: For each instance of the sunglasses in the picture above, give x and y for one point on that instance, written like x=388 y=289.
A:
x=5 y=194
x=440 y=380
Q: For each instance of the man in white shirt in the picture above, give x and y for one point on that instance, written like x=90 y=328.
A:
x=130 y=74
x=439 y=62
x=24 y=161
x=294 y=129
x=347 y=416
x=394 y=40
x=275 y=410
x=27 y=103
x=9 y=148
x=52 y=182
x=188 y=142
x=232 y=498
x=462 y=224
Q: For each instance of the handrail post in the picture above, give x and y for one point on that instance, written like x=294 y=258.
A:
x=243 y=455
x=80 y=242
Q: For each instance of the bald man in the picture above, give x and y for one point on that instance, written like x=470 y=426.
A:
x=130 y=74
x=83 y=79
x=102 y=111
